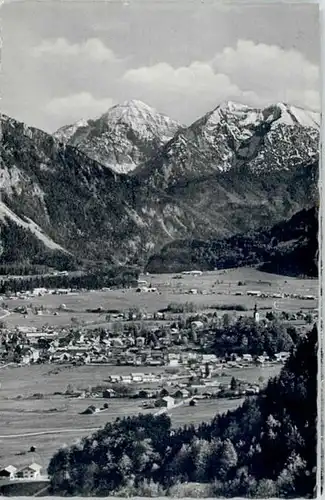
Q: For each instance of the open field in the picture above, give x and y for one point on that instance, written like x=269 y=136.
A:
x=55 y=428
x=204 y=411
x=66 y=426
x=63 y=319
x=251 y=374
x=57 y=420
x=47 y=379
x=218 y=288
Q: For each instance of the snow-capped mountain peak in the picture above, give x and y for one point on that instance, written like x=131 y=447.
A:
x=232 y=107
x=141 y=118
x=244 y=116
x=129 y=110
x=123 y=137
x=65 y=133
x=230 y=111
x=276 y=138
x=287 y=114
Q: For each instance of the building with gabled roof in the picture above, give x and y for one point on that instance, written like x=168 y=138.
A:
x=165 y=402
x=32 y=471
x=8 y=472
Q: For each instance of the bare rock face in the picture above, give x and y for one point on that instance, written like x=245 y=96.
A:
x=123 y=137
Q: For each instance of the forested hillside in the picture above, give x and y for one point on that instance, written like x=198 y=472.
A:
x=289 y=247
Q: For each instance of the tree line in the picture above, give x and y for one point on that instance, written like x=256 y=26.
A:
x=246 y=336
x=114 y=277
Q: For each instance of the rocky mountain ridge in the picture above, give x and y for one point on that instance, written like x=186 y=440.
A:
x=202 y=189
x=231 y=136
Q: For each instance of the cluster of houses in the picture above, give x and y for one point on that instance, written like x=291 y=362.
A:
x=171 y=339
x=38 y=292
x=172 y=394
x=171 y=348
x=29 y=472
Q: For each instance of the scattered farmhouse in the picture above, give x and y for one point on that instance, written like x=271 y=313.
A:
x=165 y=402
x=8 y=472
x=281 y=356
x=197 y=324
x=32 y=471
x=109 y=393
x=181 y=394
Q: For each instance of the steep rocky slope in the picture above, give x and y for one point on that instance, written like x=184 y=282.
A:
x=123 y=137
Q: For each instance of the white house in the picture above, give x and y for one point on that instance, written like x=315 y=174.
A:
x=32 y=471
x=166 y=402
x=140 y=341
x=253 y=293
x=137 y=377
x=117 y=342
x=39 y=291
x=31 y=355
x=209 y=358
x=8 y=472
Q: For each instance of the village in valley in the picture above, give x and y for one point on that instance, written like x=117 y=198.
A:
x=73 y=359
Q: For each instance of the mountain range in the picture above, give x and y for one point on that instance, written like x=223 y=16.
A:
x=121 y=187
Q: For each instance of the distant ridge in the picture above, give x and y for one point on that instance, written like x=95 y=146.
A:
x=290 y=248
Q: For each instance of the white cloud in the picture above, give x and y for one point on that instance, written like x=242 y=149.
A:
x=93 y=49
x=274 y=73
x=255 y=74
x=73 y=107
x=192 y=79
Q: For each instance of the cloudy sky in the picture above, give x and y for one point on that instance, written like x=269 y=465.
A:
x=64 y=60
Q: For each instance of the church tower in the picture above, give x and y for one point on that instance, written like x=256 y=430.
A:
x=256 y=314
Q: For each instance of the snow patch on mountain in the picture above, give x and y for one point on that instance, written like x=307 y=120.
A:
x=232 y=135
x=65 y=133
x=285 y=114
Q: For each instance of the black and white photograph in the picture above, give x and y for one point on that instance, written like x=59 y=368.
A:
x=159 y=249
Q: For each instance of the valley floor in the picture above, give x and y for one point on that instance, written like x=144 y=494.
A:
x=54 y=421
